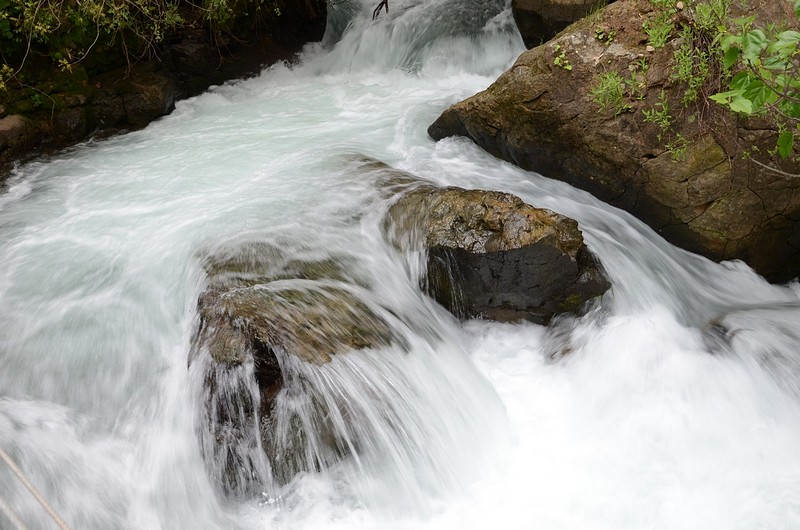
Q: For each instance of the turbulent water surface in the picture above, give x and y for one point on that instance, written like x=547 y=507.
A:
x=677 y=406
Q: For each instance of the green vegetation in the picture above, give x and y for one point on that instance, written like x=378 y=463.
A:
x=751 y=71
x=618 y=93
x=675 y=143
x=693 y=64
x=610 y=92
x=658 y=31
x=659 y=115
x=560 y=58
x=766 y=80
x=604 y=35
x=659 y=28
x=65 y=32
x=697 y=63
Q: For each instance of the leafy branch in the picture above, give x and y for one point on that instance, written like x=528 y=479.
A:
x=767 y=83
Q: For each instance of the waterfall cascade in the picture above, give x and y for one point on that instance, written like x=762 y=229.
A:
x=676 y=406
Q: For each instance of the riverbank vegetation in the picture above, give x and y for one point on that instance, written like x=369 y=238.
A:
x=747 y=66
x=766 y=62
x=64 y=33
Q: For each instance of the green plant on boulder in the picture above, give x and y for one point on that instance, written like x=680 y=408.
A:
x=693 y=65
x=660 y=26
x=560 y=58
x=610 y=92
x=659 y=114
x=766 y=63
x=605 y=35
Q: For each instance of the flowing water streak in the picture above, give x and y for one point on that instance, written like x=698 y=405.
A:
x=654 y=420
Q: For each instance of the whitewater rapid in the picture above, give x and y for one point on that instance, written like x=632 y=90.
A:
x=676 y=406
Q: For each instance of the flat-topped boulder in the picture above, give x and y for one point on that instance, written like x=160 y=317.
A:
x=490 y=255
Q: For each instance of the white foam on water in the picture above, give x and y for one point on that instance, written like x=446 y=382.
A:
x=639 y=415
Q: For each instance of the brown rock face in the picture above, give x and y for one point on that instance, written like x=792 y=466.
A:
x=490 y=255
x=539 y=20
x=708 y=199
x=15 y=131
x=262 y=310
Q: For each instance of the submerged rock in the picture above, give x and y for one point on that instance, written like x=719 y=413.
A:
x=490 y=255
x=310 y=323
x=763 y=334
x=262 y=311
x=688 y=177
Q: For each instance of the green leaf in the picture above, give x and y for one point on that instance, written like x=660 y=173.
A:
x=724 y=98
x=785 y=144
x=797 y=8
x=759 y=95
x=731 y=56
x=742 y=105
x=753 y=42
x=791 y=108
x=784 y=45
x=730 y=41
x=742 y=81
x=775 y=62
x=789 y=36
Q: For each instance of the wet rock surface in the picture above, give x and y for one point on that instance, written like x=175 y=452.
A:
x=765 y=335
x=490 y=255
x=260 y=313
x=271 y=323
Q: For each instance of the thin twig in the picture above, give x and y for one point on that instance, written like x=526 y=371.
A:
x=35 y=492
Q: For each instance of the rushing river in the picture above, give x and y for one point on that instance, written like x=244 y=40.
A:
x=677 y=406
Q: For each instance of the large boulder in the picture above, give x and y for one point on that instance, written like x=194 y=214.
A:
x=264 y=311
x=490 y=255
x=539 y=20
x=691 y=181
